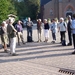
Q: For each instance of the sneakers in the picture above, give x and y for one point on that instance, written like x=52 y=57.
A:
x=53 y=42
x=24 y=43
x=14 y=54
x=6 y=51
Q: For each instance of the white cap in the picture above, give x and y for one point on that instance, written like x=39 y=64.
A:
x=4 y=22
x=62 y=18
x=45 y=19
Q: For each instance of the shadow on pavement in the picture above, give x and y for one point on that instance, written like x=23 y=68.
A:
x=22 y=56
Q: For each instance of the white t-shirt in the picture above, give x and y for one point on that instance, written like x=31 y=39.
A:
x=62 y=26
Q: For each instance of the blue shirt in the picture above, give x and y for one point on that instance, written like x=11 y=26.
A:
x=54 y=27
x=73 y=26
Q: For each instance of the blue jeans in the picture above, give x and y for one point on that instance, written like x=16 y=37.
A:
x=54 y=36
x=29 y=32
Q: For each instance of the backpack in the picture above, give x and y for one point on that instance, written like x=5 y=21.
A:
x=29 y=39
x=1 y=31
x=64 y=25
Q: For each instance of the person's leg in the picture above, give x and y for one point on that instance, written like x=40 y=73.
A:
x=31 y=32
x=14 y=44
x=4 y=41
x=11 y=45
x=74 y=43
x=22 y=39
x=64 y=37
x=61 y=36
x=52 y=36
x=27 y=32
x=74 y=40
x=5 y=47
x=70 y=38
x=18 y=36
x=38 y=34
x=55 y=35
x=47 y=35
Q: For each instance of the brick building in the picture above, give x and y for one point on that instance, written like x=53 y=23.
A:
x=57 y=8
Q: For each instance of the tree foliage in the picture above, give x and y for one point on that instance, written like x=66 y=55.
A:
x=6 y=7
x=25 y=8
x=28 y=8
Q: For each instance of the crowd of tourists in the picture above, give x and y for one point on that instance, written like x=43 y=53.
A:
x=9 y=32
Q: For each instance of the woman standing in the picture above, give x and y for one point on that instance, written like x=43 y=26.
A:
x=46 y=30
x=4 y=37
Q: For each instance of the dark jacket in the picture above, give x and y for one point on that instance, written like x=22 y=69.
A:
x=46 y=26
x=29 y=24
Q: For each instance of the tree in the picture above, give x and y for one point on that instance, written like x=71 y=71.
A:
x=33 y=6
x=6 y=8
x=28 y=8
x=3 y=9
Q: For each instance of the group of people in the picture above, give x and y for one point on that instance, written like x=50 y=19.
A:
x=62 y=26
x=54 y=27
x=10 y=32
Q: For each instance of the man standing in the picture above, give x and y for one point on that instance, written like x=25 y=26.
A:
x=39 y=29
x=73 y=32
x=69 y=30
x=19 y=32
x=12 y=33
x=29 y=29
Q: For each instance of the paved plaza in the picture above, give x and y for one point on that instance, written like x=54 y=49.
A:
x=38 y=58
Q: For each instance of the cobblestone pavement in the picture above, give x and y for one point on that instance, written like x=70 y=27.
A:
x=37 y=59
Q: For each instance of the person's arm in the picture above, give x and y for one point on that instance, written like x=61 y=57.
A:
x=65 y=26
x=58 y=27
x=32 y=24
x=14 y=28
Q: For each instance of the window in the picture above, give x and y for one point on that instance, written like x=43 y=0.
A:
x=51 y=12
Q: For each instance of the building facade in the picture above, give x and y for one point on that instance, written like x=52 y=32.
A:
x=57 y=8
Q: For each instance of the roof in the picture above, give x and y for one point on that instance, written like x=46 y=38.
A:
x=43 y=2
